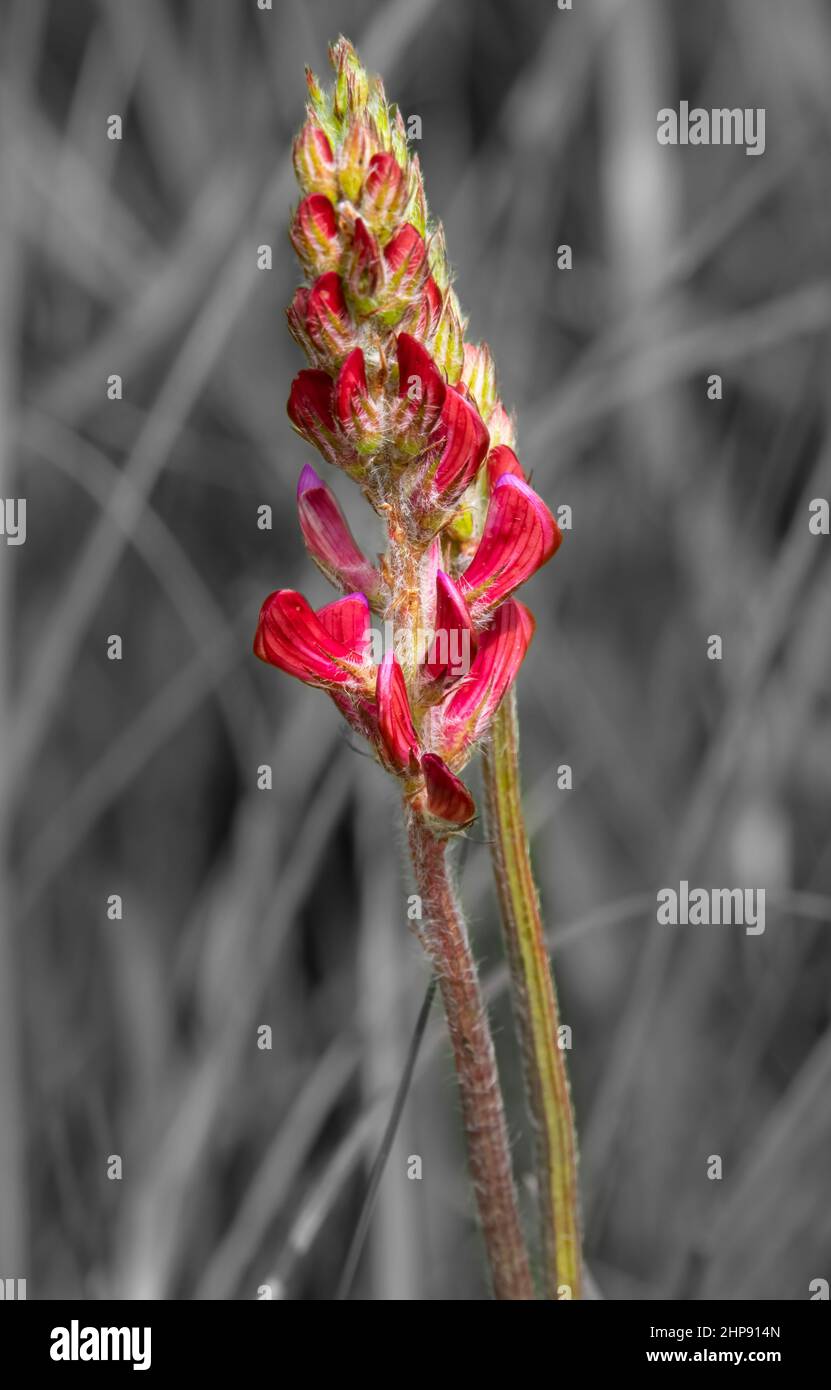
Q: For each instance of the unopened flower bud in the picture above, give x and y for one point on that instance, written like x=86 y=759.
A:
x=479 y=376
x=310 y=411
x=355 y=154
x=362 y=268
x=405 y=258
x=384 y=195
x=355 y=406
x=416 y=212
x=314 y=163
x=314 y=234
x=351 y=82
x=327 y=317
x=448 y=342
x=501 y=427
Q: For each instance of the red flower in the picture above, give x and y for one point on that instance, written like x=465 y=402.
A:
x=329 y=539
x=467 y=712
x=324 y=648
x=520 y=536
x=454 y=640
x=395 y=721
x=464 y=445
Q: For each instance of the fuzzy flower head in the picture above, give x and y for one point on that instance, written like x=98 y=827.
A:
x=395 y=398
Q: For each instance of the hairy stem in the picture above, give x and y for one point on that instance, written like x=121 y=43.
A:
x=445 y=940
x=535 y=1009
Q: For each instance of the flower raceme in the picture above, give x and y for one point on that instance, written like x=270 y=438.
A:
x=397 y=400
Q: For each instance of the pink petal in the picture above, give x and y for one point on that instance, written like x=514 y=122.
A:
x=502 y=460
x=465 y=445
x=520 y=535
x=329 y=539
x=395 y=722
x=291 y=636
x=467 y=712
x=448 y=799
x=347 y=620
x=454 y=641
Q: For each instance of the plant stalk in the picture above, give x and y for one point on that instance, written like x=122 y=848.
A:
x=444 y=937
x=535 y=1010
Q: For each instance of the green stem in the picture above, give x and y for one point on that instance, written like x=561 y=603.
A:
x=535 y=1009
x=445 y=940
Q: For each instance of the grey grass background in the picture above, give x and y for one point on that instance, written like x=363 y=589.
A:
x=243 y=1166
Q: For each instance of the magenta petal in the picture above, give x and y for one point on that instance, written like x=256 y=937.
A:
x=520 y=535
x=328 y=537
x=395 y=721
x=465 y=445
x=467 y=712
x=448 y=799
x=347 y=620
x=454 y=640
x=291 y=636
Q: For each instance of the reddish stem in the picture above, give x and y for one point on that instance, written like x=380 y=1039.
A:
x=444 y=937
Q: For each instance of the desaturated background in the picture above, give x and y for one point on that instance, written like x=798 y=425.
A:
x=244 y=1166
